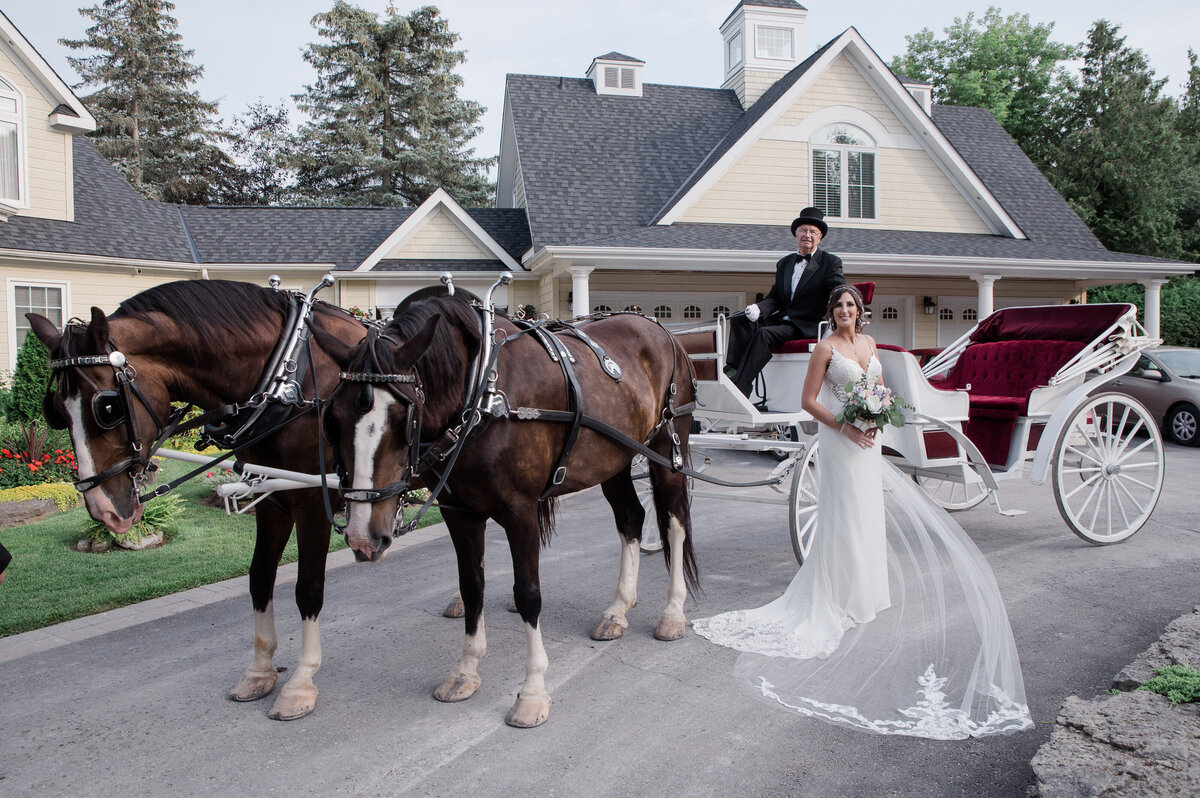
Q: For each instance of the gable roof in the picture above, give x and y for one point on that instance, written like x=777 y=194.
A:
x=594 y=165
x=113 y=220
x=792 y=4
x=69 y=113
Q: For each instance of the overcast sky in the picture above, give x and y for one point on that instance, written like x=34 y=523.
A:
x=252 y=48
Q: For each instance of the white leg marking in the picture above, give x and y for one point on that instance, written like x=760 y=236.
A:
x=368 y=433
x=627 y=582
x=265 y=642
x=474 y=647
x=536 y=664
x=310 y=653
x=677 y=591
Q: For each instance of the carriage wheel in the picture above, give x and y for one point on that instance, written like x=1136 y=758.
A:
x=786 y=432
x=1108 y=468
x=802 y=502
x=953 y=494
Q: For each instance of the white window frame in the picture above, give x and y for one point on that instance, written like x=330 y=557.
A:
x=759 y=49
x=10 y=89
x=843 y=151
x=10 y=293
x=736 y=41
x=649 y=300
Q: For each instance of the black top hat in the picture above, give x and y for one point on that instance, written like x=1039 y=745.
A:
x=813 y=216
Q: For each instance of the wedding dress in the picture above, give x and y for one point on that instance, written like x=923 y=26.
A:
x=894 y=624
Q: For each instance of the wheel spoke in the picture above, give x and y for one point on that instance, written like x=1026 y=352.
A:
x=1129 y=494
x=1083 y=455
x=1082 y=485
x=1150 y=488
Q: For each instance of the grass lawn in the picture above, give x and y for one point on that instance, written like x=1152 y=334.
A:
x=50 y=582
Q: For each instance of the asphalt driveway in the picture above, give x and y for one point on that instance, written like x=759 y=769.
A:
x=141 y=710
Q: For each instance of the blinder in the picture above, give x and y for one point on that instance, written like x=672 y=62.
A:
x=50 y=412
x=108 y=409
x=364 y=401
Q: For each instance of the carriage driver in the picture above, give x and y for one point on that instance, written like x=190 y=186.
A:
x=792 y=309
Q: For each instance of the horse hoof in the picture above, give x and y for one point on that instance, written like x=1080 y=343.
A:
x=456 y=688
x=455 y=608
x=293 y=705
x=528 y=712
x=252 y=688
x=609 y=628
x=669 y=629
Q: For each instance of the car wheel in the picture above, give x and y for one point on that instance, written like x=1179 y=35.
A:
x=1182 y=425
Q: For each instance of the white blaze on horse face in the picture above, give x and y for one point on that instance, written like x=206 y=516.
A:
x=83 y=454
x=368 y=434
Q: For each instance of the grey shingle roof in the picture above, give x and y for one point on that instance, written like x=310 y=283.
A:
x=113 y=220
x=767 y=4
x=615 y=56
x=1028 y=197
x=597 y=164
x=455 y=265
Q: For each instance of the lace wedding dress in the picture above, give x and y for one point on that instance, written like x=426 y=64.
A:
x=894 y=624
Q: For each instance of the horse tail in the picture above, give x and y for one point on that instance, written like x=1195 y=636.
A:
x=545 y=510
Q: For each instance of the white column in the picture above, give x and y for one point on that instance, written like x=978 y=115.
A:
x=1153 y=307
x=985 y=302
x=581 y=303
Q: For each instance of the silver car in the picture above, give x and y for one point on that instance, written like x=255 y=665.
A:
x=1166 y=380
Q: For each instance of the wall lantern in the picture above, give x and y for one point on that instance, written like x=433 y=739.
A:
x=930 y=306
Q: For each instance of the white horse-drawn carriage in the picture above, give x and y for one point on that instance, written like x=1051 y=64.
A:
x=1017 y=394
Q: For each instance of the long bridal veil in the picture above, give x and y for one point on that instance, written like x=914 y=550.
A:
x=939 y=661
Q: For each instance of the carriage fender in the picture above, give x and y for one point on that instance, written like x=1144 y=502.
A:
x=972 y=452
x=1066 y=409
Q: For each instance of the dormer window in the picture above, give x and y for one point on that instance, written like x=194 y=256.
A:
x=843 y=172
x=617 y=74
x=770 y=42
x=12 y=145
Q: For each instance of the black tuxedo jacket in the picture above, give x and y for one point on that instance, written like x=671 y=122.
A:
x=807 y=304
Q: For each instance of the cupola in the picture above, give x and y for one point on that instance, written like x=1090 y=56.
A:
x=617 y=74
x=763 y=41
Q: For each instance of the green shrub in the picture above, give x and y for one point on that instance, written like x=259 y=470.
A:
x=1179 y=683
x=1180 y=307
x=63 y=494
x=160 y=515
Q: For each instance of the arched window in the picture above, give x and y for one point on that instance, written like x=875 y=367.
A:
x=970 y=314
x=601 y=309
x=12 y=142
x=633 y=308
x=719 y=310
x=843 y=171
x=663 y=312
x=946 y=314
x=889 y=314
x=693 y=312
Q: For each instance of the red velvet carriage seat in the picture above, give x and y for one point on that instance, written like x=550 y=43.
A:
x=1011 y=353
x=805 y=345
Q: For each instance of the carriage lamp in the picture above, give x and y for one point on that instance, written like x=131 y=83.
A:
x=930 y=306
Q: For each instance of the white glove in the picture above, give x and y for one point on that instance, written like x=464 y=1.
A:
x=752 y=312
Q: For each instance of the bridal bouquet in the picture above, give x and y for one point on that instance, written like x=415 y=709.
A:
x=870 y=406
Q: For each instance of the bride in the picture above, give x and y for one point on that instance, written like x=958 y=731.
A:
x=894 y=624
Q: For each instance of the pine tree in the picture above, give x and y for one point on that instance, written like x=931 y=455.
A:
x=156 y=130
x=1003 y=64
x=388 y=126
x=263 y=146
x=24 y=405
x=1117 y=158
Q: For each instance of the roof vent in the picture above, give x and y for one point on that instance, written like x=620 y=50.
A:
x=617 y=74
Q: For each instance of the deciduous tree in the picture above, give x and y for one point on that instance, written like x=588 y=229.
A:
x=1004 y=64
x=388 y=126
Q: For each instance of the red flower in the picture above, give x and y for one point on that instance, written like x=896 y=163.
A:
x=33 y=466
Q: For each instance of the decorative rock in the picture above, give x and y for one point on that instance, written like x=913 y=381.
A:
x=25 y=511
x=1179 y=645
x=1129 y=744
x=148 y=542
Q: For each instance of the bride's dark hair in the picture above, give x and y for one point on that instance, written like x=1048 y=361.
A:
x=835 y=295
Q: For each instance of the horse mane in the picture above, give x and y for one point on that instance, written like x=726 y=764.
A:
x=443 y=375
x=211 y=308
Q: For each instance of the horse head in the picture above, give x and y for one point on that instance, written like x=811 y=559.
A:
x=113 y=416
x=400 y=387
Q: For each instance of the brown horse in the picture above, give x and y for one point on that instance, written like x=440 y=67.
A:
x=402 y=404
x=207 y=343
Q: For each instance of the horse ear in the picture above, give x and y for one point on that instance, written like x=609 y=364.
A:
x=45 y=330
x=97 y=331
x=412 y=349
x=341 y=352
